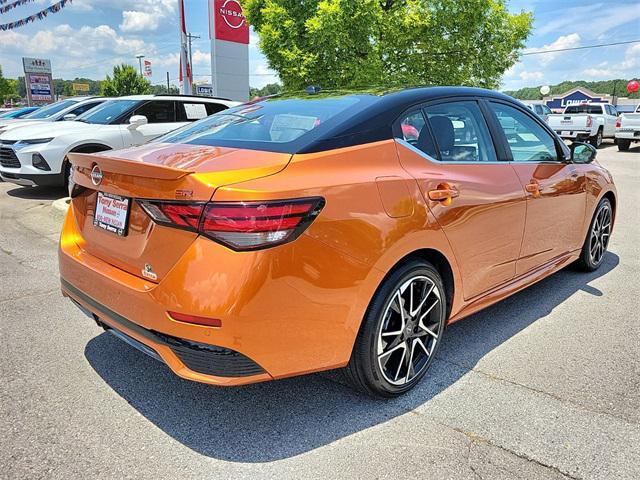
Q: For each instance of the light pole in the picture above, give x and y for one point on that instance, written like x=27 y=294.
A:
x=140 y=57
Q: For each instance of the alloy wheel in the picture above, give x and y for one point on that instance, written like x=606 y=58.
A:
x=600 y=233
x=409 y=331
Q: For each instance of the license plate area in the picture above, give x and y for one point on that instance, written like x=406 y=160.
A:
x=112 y=213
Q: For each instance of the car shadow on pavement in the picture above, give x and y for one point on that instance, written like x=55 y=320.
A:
x=280 y=419
x=38 y=193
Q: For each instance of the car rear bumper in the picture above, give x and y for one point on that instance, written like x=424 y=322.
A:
x=628 y=134
x=573 y=134
x=200 y=358
x=290 y=310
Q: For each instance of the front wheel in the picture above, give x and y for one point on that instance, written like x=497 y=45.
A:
x=597 y=241
x=401 y=332
x=623 y=144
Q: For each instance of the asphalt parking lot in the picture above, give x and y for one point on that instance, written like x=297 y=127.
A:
x=543 y=385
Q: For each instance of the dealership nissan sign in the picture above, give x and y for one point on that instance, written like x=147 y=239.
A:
x=229 y=33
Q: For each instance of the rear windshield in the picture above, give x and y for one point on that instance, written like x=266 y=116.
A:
x=49 y=110
x=283 y=125
x=593 y=109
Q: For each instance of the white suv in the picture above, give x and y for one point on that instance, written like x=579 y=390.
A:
x=67 y=109
x=37 y=154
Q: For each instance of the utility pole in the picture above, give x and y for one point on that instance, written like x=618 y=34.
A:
x=189 y=37
x=140 y=57
x=168 y=89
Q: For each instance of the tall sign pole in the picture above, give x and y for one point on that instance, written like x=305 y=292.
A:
x=186 y=75
x=229 y=34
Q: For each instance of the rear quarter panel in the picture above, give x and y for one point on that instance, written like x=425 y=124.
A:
x=357 y=239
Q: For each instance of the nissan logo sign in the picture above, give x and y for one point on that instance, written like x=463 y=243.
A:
x=96 y=175
x=231 y=12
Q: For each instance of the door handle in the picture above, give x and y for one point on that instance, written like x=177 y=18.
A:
x=443 y=194
x=533 y=188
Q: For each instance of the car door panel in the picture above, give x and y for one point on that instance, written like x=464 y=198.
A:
x=555 y=190
x=555 y=212
x=484 y=217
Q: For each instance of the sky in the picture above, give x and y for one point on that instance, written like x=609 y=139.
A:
x=88 y=37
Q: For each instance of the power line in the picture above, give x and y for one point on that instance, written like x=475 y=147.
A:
x=580 y=48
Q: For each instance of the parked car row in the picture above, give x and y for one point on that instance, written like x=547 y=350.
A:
x=34 y=150
x=592 y=122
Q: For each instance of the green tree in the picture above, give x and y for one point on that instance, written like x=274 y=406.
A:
x=367 y=43
x=8 y=87
x=268 y=89
x=126 y=81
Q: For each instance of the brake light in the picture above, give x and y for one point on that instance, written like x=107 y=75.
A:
x=589 y=120
x=618 y=122
x=240 y=226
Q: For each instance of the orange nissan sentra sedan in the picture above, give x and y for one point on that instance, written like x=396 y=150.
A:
x=298 y=234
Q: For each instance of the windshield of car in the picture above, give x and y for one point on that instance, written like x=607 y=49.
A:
x=266 y=124
x=107 y=112
x=592 y=109
x=50 y=110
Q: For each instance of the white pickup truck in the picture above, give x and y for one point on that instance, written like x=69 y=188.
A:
x=587 y=121
x=628 y=129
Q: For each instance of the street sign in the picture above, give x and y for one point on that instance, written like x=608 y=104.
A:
x=80 y=87
x=204 y=90
x=38 y=80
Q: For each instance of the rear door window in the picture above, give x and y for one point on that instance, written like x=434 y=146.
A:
x=192 y=111
x=460 y=132
x=414 y=131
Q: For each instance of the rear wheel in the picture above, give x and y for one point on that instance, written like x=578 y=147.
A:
x=400 y=333
x=623 y=144
x=596 y=140
x=597 y=241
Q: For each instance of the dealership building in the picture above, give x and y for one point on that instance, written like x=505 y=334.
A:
x=581 y=95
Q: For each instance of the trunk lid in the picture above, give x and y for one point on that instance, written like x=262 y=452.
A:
x=182 y=172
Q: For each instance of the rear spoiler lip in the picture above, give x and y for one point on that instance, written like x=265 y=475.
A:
x=126 y=167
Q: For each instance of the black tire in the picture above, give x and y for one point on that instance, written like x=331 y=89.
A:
x=66 y=175
x=364 y=371
x=596 y=140
x=623 y=144
x=586 y=262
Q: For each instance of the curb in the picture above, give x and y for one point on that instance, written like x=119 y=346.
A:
x=59 y=207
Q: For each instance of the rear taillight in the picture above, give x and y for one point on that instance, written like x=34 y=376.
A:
x=239 y=225
x=618 y=122
x=589 y=120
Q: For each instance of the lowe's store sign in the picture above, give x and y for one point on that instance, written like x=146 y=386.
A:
x=573 y=98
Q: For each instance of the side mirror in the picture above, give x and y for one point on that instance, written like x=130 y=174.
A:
x=137 y=121
x=69 y=116
x=582 y=152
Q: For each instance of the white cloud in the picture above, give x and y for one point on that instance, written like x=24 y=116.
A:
x=562 y=42
x=599 y=17
x=525 y=75
x=146 y=15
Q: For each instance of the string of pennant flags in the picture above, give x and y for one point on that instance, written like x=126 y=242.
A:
x=16 y=3
x=41 y=15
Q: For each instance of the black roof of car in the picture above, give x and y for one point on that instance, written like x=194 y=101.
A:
x=373 y=123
